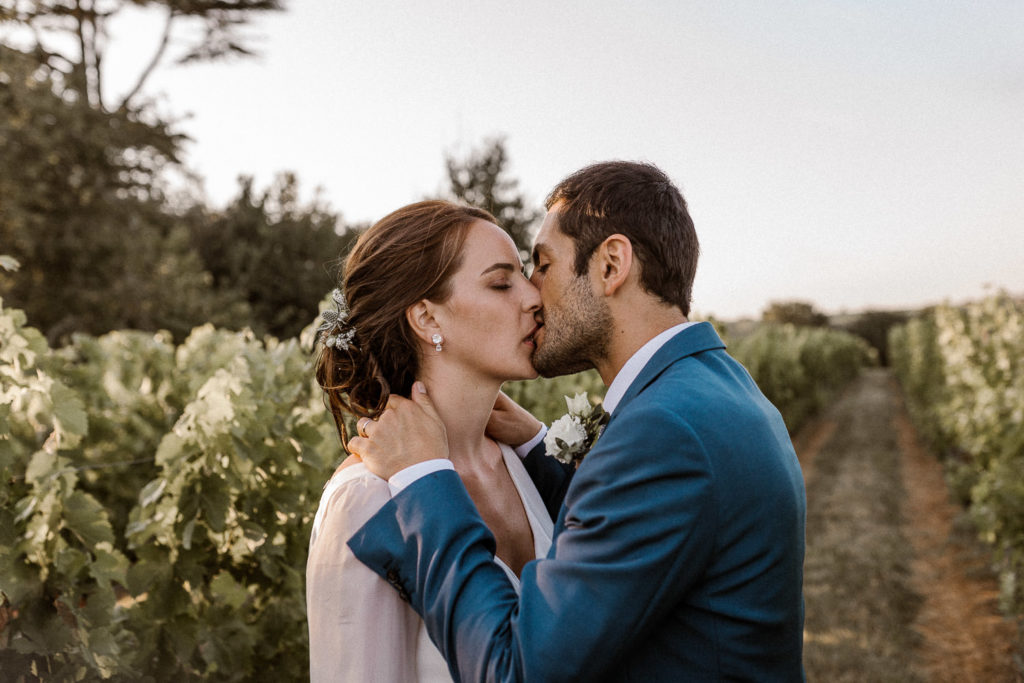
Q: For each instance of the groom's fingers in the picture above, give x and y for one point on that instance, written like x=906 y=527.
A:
x=404 y=417
x=369 y=452
x=357 y=447
x=422 y=399
x=405 y=432
x=510 y=423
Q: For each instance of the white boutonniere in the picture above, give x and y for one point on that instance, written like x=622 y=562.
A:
x=572 y=435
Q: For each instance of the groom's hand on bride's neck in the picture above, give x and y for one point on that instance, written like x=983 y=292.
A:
x=511 y=423
x=406 y=433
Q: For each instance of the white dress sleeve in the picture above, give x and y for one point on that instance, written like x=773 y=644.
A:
x=359 y=629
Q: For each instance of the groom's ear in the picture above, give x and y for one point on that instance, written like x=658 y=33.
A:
x=614 y=259
x=421 y=319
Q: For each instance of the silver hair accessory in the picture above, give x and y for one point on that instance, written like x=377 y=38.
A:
x=333 y=325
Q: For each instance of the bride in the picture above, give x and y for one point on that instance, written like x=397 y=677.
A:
x=433 y=292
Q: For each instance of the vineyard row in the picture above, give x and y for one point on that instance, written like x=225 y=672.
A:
x=156 y=499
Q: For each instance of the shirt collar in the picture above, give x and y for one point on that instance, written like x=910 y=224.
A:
x=636 y=363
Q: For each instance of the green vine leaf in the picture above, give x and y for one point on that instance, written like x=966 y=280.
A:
x=225 y=589
x=69 y=416
x=87 y=519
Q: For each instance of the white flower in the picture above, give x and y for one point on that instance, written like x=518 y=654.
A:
x=569 y=430
x=578 y=404
x=571 y=436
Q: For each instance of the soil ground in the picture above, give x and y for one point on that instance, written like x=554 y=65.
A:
x=896 y=586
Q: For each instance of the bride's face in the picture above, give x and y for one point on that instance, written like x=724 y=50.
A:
x=487 y=322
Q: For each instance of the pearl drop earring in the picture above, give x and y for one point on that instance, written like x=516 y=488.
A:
x=437 y=341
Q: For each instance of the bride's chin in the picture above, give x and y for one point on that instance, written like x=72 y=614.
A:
x=523 y=374
x=532 y=374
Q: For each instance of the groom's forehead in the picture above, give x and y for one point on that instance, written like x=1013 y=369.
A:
x=550 y=236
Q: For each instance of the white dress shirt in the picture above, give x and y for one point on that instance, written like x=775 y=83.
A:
x=629 y=372
x=636 y=363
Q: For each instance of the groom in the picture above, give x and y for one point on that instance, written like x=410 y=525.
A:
x=678 y=551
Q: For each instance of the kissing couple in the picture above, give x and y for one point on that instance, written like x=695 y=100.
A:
x=449 y=546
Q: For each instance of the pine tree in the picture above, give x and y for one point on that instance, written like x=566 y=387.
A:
x=481 y=180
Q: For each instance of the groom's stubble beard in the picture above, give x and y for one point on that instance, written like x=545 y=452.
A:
x=576 y=334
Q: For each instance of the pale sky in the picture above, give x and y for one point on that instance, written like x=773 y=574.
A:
x=850 y=154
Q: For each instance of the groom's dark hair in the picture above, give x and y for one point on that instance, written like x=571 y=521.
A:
x=639 y=201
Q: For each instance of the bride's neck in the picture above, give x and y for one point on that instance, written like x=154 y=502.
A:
x=464 y=402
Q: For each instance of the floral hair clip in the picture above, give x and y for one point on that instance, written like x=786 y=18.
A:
x=333 y=326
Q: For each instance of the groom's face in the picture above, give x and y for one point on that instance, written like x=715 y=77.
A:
x=576 y=322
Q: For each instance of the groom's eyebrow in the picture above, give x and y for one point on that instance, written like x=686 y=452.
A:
x=500 y=266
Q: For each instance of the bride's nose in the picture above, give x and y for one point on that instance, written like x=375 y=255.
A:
x=531 y=299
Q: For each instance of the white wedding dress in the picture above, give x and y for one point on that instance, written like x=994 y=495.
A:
x=359 y=629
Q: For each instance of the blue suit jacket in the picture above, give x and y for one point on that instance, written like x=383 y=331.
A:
x=677 y=555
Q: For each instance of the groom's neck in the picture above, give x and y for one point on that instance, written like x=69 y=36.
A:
x=632 y=327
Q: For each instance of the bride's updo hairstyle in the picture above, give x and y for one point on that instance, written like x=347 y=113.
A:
x=405 y=257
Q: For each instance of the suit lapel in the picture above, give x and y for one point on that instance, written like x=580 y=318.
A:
x=700 y=337
x=695 y=339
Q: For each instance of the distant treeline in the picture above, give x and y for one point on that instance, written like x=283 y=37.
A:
x=106 y=241
x=103 y=244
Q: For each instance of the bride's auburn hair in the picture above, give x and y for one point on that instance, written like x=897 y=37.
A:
x=405 y=257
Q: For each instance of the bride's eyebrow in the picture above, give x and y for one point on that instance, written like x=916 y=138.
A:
x=500 y=266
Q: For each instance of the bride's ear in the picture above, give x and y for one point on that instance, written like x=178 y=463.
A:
x=421 y=319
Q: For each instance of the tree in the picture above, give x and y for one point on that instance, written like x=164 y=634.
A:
x=874 y=327
x=70 y=37
x=82 y=183
x=271 y=252
x=82 y=210
x=481 y=180
x=794 y=312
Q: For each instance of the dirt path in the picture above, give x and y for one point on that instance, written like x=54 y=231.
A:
x=895 y=590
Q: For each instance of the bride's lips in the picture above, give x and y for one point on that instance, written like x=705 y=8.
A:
x=529 y=339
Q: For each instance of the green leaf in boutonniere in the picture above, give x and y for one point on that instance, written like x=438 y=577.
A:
x=573 y=435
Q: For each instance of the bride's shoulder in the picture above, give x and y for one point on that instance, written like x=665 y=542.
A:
x=351 y=461
x=352 y=484
x=351 y=497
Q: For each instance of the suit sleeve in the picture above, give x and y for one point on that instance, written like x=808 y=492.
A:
x=640 y=507
x=551 y=477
